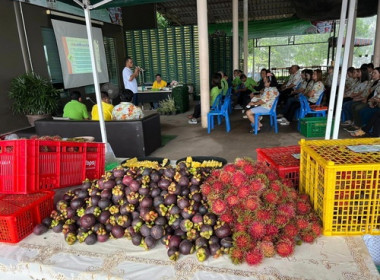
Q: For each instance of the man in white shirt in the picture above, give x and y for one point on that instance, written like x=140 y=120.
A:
x=129 y=78
x=294 y=79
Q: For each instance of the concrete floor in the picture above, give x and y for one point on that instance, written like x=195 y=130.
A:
x=193 y=140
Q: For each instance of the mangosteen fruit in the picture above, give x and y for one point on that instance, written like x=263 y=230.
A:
x=134 y=186
x=201 y=242
x=186 y=225
x=155 y=191
x=149 y=242
x=209 y=219
x=91 y=239
x=161 y=221
x=186 y=247
x=157 y=201
x=144 y=190
x=202 y=254
x=87 y=221
x=174 y=241
x=170 y=199
x=226 y=242
x=40 y=229
x=183 y=202
x=104 y=216
x=106 y=193
x=183 y=181
x=223 y=231
x=47 y=221
x=104 y=203
x=163 y=184
x=214 y=249
x=146 y=202
x=136 y=239
x=117 y=231
x=206 y=231
x=157 y=232
x=174 y=210
x=118 y=172
x=173 y=253
x=127 y=179
x=145 y=230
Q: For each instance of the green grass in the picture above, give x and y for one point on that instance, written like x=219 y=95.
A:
x=166 y=138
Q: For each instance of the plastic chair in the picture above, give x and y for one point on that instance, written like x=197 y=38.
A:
x=319 y=101
x=272 y=116
x=222 y=112
x=228 y=94
x=217 y=103
x=306 y=110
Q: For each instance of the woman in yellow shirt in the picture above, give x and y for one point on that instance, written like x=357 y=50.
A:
x=107 y=109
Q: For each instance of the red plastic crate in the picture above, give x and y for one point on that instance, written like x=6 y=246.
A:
x=95 y=160
x=19 y=214
x=28 y=166
x=283 y=160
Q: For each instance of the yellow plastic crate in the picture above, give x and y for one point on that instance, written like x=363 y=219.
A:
x=344 y=186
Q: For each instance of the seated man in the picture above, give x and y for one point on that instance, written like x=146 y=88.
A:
x=157 y=85
x=126 y=110
x=294 y=80
x=75 y=110
x=107 y=108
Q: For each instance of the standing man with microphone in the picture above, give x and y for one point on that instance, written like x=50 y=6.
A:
x=129 y=78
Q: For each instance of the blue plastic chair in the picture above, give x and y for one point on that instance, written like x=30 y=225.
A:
x=319 y=101
x=228 y=94
x=306 y=110
x=217 y=103
x=222 y=112
x=272 y=116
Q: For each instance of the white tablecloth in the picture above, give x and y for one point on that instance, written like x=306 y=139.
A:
x=49 y=257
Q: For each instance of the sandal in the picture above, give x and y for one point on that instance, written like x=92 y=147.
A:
x=357 y=133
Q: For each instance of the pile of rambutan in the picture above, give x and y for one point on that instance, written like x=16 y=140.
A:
x=267 y=215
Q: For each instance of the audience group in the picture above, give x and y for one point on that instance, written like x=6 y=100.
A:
x=360 y=109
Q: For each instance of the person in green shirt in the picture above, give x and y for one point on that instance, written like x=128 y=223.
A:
x=75 y=110
x=224 y=83
x=215 y=91
x=236 y=82
x=247 y=86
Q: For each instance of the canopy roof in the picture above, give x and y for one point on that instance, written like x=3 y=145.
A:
x=184 y=12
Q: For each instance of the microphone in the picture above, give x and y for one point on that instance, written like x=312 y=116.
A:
x=89 y=98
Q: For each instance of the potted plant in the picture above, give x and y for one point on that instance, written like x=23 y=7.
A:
x=33 y=96
x=167 y=107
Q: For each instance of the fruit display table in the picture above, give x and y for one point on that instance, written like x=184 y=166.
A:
x=49 y=257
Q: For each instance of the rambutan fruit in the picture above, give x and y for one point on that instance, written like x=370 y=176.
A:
x=206 y=189
x=257 y=186
x=244 y=191
x=215 y=173
x=240 y=227
x=254 y=257
x=267 y=248
x=316 y=228
x=287 y=183
x=276 y=186
x=252 y=203
x=307 y=236
x=242 y=240
x=264 y=215
x=290 y=230
x=217 y=187
x=302 y=223
x=238 y=179
x=270 y=197
x=227 y=217
x=248 y=169
x=303 y=208
x=237 y=255
x=287 y=210
x=218 y=207
x=225 y=177
x=272 y=176
x=281 y=220
x=284 y=248
x=271 y=230
x=304 y=197
x=230 y=168
x=232 y=200
x=257 y=230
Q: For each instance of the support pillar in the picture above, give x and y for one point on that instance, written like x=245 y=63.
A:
x=376 y=54
x=352 y=41
x=203 y=60
x=245 y=37
x=235 y=34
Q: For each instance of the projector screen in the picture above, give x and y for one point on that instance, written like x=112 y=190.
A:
x=74 y=54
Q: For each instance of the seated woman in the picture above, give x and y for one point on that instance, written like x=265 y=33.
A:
x=264 y=104
x=312 y=96
x=371 y=129
x=263 y=73
x=360 y=92
x=215 y=91
x=126 y=110
x=362 y=111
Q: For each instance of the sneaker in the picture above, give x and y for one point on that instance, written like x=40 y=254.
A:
x=245 y=117
x=281 y=120
x=346 y=123
x=284 y=122
x=351 y=128
x=238 y=107
x=193 y=121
